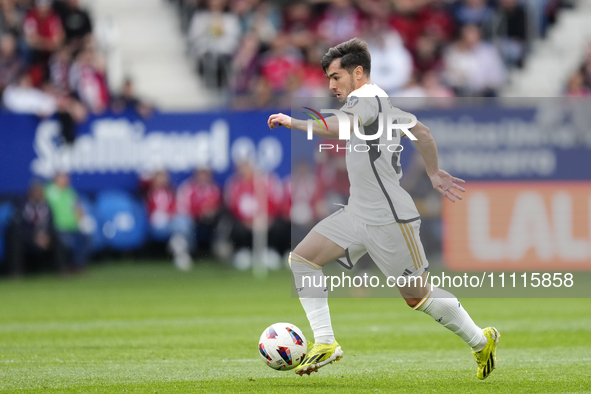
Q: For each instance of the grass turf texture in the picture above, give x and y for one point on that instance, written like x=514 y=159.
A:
x=147 y=328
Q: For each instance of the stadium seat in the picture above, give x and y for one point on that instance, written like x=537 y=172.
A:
x=121 y=219
x=6 y=211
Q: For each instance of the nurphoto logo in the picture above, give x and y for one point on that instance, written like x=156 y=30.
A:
x=388 y=121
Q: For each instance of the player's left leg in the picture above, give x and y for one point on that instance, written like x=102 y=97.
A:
x=398 y=252
x=445 y=308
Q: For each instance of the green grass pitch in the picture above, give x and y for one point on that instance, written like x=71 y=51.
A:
x=146 y=328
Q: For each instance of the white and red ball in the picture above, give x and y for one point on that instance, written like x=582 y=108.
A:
x=283 y=346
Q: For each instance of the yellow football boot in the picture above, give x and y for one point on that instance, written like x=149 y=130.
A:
x=318 y=357
x=487 y=357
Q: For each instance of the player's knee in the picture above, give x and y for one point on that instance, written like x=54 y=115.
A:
x=297 y=263
x=290 y=260
x=298 y=251
x=412 y=302
x=303 y=255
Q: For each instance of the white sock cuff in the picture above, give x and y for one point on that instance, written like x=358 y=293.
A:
x=434 y=293
x=425 y=302
x=308 y=278
x=294 y=258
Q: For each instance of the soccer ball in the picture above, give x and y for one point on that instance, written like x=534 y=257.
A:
x=283 y=346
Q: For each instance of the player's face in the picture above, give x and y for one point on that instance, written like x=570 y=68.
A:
x=341 y=83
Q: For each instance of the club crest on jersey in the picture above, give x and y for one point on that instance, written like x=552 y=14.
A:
x=271 y=333
x=351 y=101
x=294 y=335
x=264 y=352
x=285 y=354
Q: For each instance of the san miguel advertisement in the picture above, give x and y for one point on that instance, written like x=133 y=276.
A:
x=110 y=151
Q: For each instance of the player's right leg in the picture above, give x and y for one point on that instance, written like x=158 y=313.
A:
x=306 y=262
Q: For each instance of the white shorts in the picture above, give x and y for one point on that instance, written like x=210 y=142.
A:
x=395 y=248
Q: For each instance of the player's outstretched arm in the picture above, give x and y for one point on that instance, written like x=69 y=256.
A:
x=443 y=182
x=277 y=120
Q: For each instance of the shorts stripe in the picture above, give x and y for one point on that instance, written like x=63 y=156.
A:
x=413 y=241
x=418 y=248
x=300 y=259
x=408 y=245
x=412 y=245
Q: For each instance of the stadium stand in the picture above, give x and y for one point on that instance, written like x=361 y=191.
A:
x=255 y=54
x=153 y=54
x=281 y=43
x=559 y=55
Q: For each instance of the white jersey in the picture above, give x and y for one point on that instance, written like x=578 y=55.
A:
x=374 y=170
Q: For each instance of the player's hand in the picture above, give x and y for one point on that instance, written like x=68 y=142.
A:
x=447 y=185
x=277 y=120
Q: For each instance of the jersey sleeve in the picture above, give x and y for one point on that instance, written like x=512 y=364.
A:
x=366 y=108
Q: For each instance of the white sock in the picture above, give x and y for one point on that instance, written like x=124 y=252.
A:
x=311 y=287
x=445 y=308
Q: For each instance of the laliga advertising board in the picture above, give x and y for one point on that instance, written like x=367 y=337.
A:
x=509 y=226
x=110 y=151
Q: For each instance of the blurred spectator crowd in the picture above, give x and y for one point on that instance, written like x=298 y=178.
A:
x=55 y=228
x=262 y=52
x=50 y=65
x=46 y=230
x=199 y=216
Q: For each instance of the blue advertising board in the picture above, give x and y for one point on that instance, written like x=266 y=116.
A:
x=110 y=151
x=548 y=141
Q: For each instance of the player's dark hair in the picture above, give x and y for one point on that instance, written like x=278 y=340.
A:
x=352 y=53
